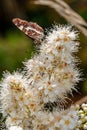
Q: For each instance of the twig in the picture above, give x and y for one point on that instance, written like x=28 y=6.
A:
x=65 y=11
x=82 y=100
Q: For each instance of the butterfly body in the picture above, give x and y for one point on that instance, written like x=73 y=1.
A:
x=31 y=29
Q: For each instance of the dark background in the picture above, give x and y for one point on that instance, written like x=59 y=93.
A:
x=15 y=47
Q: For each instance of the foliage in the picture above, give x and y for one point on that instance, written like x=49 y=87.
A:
x=13 y=50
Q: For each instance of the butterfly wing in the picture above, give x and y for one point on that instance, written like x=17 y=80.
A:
x=31 y=29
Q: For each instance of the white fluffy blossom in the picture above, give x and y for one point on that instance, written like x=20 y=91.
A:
x=34 y=101
x=53 y=72
x=17 y=99
x=65 y=120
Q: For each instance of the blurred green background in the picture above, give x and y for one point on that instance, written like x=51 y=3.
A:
x=15 y=47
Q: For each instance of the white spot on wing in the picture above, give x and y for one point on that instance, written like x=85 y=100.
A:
x=33 y=29
x=28 y=28
x=20 y=27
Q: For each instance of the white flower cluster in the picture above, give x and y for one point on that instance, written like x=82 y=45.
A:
x=64 y=120
x=34 y=100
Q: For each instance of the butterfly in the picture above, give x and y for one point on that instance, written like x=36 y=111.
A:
x=31 y=29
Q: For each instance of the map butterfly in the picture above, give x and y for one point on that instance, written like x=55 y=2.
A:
x=31 y=29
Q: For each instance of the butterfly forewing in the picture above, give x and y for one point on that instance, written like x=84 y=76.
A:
x=31 y=29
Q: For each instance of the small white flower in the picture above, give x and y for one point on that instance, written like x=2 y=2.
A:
x=15 y=128
x=85 y=126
